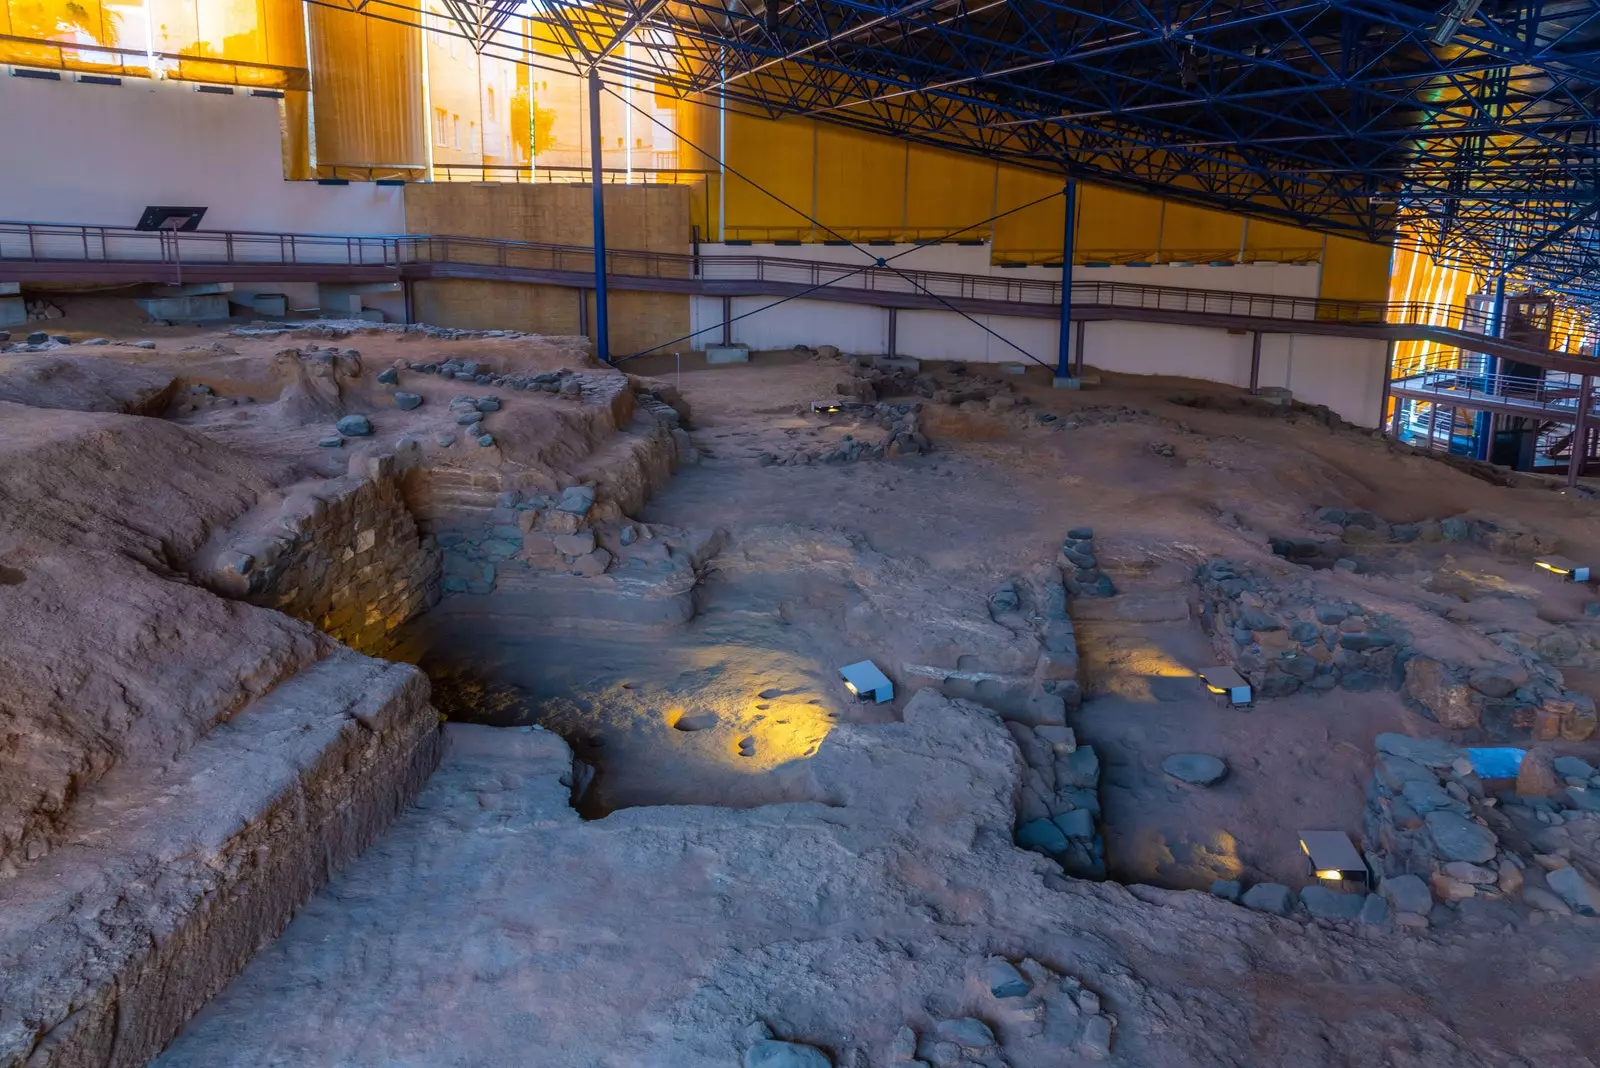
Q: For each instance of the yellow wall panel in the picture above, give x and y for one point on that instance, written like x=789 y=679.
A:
x=1355 y=270
x=774 y=156
x=242 y=42
x=1035 y=233
x=1116 y=226
x=651 y=218
x=946 y=192
x=861 y=182
x=367 y=95
x=1199 y=234
x=1281 y=243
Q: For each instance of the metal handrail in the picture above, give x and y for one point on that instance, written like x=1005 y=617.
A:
x=1556 y=393
x=67 y=242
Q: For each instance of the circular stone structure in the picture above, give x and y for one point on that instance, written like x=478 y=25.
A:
x=1197 y=769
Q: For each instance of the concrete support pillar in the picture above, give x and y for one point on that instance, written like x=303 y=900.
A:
x=727 y=322
x=893 y=327
x=1255 y=363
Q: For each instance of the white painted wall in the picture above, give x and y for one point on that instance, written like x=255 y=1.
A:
x=79 y=153
x=1344 y=374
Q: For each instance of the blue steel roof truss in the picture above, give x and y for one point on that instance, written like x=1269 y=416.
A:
x=1341 y=115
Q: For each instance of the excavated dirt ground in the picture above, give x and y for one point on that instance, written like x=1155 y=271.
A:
x=758 y=848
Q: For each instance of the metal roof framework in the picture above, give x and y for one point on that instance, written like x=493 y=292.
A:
x=1470 y=128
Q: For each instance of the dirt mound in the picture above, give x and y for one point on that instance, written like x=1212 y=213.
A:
x=84 y=384
x=109 y=654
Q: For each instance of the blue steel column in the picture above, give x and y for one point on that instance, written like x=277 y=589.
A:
x=602 y=338
x=1484 y=425
x=1068 y=232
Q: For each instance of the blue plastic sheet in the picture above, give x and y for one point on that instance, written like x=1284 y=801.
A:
x=1498 y=763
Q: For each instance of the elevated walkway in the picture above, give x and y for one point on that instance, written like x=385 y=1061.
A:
x=109 y=255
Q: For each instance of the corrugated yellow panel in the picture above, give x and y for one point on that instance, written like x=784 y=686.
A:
x=775 y=156
x=50 y=28
x=1355 y=270
x=1280 y=242
x=367 y=94
x=1439 y=290
x=861 y=183
x=1114 y=226
x=947 y=192
x=245 y=42
x=296 y=133
x=1199 y=234
x=1033 y=235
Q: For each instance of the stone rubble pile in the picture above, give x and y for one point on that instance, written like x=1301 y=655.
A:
x=1283 y=642
x=565 y=382
x=905 y=438
x=39 y=341
x=1433 y=834
x=1286 y=638
x=42 y=310
x=336 y=329
x=1021 y=1013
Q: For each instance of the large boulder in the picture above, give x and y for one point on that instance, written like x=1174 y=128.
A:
x=1575 y=890
x=1447 y=698
x=1536 y=776
x=1457 y=838
x=1408 y=893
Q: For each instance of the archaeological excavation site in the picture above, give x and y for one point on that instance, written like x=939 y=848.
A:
x=638 y=534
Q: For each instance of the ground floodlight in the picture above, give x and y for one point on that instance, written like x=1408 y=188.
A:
x=867 y=682
x=1228 y=683
x=1560 y=565
x=1334 y=858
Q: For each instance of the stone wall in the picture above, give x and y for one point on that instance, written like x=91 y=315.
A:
x=346 y=557
x=102 y=964
x=1437 y=836
x=1285 y=637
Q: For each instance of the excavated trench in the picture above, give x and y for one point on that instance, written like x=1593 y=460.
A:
x=675 y=719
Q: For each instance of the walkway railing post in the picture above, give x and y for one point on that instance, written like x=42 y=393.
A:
x=1068 y=230
x=1580 y=434
x=602 y=342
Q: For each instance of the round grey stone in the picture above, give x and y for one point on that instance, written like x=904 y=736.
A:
x=1198 y=769
x=774 y=1054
